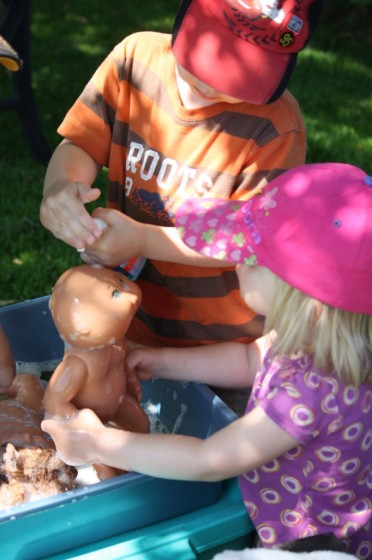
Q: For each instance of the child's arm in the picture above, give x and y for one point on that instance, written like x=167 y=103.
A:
x=67 y=188
x=243 y=445
x=229 y=364
x=7 y=363
x=125 y=238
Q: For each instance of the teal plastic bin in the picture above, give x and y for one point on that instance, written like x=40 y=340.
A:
x=198 y=535
x=129 y=514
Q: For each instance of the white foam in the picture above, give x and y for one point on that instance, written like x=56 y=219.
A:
x=37 y=368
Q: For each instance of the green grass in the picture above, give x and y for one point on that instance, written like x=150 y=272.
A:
x=332 y=82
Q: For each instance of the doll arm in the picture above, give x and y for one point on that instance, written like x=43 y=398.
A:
x=125 y=238
x=7 y=363
x=27 y=388
x=242 y=446
x=66 y=381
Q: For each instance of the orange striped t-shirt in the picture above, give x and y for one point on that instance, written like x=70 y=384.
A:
x=130 y=119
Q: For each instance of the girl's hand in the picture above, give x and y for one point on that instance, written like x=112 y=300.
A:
x=122 y=239
x=144 y=362
x=76 y=437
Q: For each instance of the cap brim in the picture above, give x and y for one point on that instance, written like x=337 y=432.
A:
x=219 y=58
x=217 y=228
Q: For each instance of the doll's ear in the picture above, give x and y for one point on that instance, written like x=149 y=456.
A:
x=8 y=56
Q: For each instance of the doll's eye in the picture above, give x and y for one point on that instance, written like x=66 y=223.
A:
x=115 y=294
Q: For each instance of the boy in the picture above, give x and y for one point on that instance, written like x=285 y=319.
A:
x=202 y=112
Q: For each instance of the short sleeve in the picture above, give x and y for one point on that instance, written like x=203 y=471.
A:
x=298 y=398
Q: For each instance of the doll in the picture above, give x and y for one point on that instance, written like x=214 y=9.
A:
x=7 y=363
x=21 y=412
x=92 y=308
x=29 y=465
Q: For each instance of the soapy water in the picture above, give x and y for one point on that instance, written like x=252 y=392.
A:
x=38 y=368
x=86 y=473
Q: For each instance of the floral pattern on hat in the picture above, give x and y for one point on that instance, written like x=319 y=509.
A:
x=218 y=229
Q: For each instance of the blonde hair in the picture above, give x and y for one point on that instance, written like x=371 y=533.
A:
x=338 y=340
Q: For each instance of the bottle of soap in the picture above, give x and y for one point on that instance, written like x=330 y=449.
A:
x=133 y=267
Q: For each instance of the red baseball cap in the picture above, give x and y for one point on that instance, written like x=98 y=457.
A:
x=244 y=48
x=312 y=227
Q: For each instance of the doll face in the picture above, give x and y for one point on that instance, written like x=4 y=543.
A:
x=93 y=306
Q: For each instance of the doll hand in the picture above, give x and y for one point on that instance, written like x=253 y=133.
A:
x=7 y=374
x=75 y=437
x=134 y=388
x=27 y=389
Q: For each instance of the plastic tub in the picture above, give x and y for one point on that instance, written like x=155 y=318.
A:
x=113 y=507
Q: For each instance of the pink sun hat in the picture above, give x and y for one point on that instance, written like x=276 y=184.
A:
x=312 y=227
x=244 y=48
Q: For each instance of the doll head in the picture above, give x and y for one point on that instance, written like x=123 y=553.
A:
x=93 y=306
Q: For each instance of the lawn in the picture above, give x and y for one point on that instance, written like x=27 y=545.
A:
x=332 y=82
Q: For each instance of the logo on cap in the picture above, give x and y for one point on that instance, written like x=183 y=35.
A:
x=286 y=39
x=261 y=22
x=295 y=24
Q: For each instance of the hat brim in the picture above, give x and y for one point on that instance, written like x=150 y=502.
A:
x=219 y=58
x=217 y=228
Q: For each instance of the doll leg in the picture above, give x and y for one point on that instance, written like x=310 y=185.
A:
x=131 y=417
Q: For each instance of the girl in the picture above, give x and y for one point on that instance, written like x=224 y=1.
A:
x=303 y=449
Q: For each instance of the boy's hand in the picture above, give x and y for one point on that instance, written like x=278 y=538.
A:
x=63 y=212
